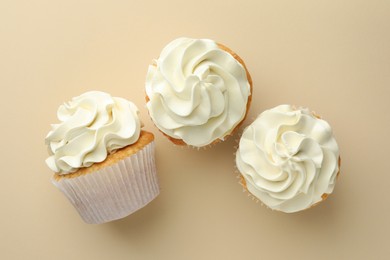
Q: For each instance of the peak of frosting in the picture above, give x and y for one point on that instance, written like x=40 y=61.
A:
x=288 y=158
x=91 y=126
x=197 y=92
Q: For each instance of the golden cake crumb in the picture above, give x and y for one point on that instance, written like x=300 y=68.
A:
x=144 y=139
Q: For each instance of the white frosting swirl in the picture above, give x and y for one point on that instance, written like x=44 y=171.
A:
x=288 y=158
x=197 y=92
x=92 y=125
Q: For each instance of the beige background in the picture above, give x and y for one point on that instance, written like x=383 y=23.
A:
x=331 y=56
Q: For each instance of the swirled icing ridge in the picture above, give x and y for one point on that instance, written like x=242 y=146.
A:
x=288 y=158
x=197 y=92
x=92 y=126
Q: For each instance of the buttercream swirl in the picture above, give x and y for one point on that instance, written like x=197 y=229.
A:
x=197 y=92
x=92 y=126
x=288 y=158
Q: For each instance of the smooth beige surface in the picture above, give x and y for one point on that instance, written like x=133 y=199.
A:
x=332 y=56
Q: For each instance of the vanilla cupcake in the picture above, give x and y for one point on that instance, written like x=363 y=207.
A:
x=288 y=159
x=103 y=161
x=198 y=92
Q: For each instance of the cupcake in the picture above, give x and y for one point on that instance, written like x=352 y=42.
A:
x=288 y=159
x=198 y=92
x=103 y=161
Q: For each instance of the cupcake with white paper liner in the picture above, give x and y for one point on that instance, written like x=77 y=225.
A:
x=288 y=159
x=103 y=162
x=198 y=92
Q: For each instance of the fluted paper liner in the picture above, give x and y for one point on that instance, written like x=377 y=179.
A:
x=115 y=191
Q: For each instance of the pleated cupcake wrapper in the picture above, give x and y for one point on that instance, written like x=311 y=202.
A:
x=115 y=191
